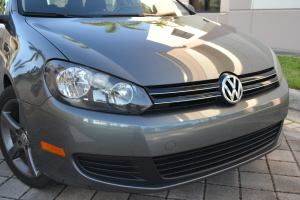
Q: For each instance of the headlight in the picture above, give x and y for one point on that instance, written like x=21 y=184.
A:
x=73 y=82
x=277 y=66
x=87 y=88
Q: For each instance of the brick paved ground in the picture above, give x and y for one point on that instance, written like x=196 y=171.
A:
x=274 y=177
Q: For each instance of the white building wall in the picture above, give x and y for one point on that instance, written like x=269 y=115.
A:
x=275 y=4
x=276 y=22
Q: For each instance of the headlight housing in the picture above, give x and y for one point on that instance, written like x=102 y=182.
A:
x=277 y=66
x=87 y=88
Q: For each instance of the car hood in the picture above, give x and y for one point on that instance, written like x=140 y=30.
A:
x=156 y=50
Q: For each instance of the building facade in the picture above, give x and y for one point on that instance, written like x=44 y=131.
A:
x=276 y=22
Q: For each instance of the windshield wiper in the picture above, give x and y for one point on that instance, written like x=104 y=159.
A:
x=57 y=15
x=121 y=15
x=158 y=14
x=140 y=15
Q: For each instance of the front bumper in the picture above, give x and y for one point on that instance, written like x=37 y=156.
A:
x=137 y=139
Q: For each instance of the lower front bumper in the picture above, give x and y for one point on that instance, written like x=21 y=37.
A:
x=178 y=169
x=95 y=184
x=139 y=139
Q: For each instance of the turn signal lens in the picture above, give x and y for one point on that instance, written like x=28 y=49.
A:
x=53 y=149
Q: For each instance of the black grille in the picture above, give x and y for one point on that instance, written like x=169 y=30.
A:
x=208 y=158
x=104 y=168
x=196 y=93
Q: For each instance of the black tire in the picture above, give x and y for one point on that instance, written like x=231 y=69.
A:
x=39 y=180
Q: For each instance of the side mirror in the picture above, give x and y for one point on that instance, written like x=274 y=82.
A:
x=190 y=7
x=4 y=19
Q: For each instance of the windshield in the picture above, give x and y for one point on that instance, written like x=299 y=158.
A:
x=96 y=8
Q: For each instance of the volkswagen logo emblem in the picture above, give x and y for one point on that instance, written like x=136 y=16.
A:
x=232 y=89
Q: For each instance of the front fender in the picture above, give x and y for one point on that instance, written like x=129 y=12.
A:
x=24 y=58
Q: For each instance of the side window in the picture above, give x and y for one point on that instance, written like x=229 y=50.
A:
x=206 y=5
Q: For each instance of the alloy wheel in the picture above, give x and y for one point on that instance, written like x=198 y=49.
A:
x=16 y=141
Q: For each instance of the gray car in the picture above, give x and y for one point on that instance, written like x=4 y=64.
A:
x=132 y=95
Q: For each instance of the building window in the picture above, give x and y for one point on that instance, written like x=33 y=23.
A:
x=206 y=5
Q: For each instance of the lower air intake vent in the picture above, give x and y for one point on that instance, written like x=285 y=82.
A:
x=208 y=158
x=107 y=168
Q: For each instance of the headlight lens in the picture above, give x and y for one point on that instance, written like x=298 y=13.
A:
x=277 y=66
x=122 y=94
x=87 y=88
x=73 y=82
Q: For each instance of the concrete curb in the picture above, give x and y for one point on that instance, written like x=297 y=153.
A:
x=294 y=99
x=283 y=52
x=294 y=106
x=294 y=115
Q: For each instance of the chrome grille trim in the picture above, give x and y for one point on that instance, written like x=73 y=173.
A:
x=258 y=78
x=189 y=99
x=182 y=88
x=195 y=93
x=264 y=85
x=187 y=90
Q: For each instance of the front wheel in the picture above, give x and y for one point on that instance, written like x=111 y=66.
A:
x=15 y=145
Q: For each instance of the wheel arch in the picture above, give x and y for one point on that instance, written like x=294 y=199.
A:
x=6 y=81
